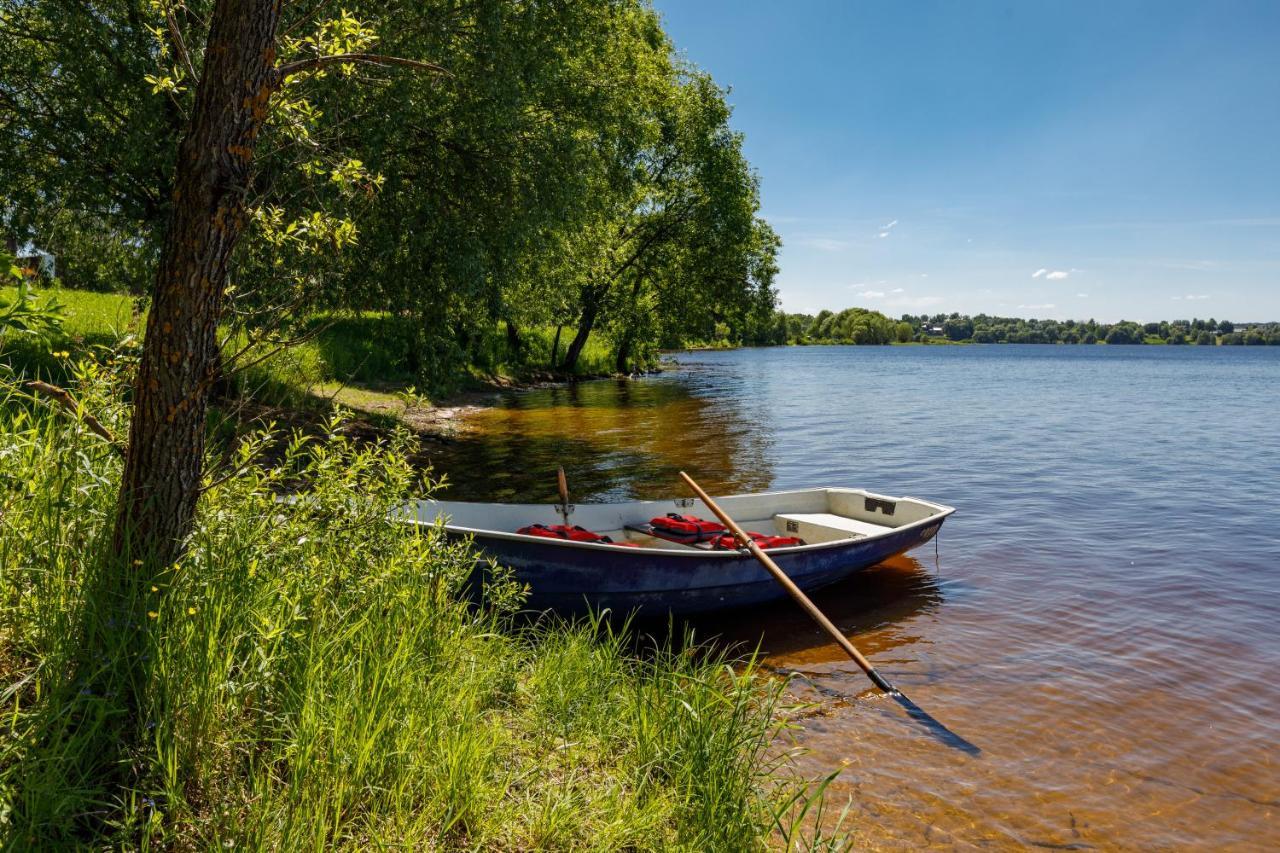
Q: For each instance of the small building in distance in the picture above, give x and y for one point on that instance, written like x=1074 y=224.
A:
x=36 y=263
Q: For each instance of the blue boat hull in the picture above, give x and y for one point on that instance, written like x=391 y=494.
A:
x=624 y=580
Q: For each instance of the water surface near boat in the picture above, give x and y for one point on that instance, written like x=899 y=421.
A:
x=1102 y=618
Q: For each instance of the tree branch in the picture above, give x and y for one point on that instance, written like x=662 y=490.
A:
x=180 y=46
x=68 y=402
x=315 y=62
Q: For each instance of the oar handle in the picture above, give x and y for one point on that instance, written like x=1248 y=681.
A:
x=789 y=585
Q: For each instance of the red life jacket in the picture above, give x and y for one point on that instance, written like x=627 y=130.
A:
x=686 y=525
x=573 y=533
x=728 y=542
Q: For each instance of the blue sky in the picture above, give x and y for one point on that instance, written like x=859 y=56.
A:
x=1046 y=159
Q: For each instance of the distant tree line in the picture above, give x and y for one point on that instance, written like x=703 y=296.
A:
x=863 y=326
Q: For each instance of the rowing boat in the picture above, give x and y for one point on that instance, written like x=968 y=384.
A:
x=842 y=531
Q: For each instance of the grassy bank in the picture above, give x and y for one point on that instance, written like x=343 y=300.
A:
x=314 y=676
x=357 y=358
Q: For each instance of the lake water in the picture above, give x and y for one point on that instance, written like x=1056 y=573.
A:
x=1102 y=616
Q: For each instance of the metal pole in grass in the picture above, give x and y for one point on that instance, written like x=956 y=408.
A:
x=917 y=713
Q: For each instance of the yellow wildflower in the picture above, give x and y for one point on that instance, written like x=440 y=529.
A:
x=151 y=614
x=191 y=611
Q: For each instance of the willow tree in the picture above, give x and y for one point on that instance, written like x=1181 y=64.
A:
x=235 y=76
x=246 y=82
x=238 y=77
x=494 y=183
x=686 y=222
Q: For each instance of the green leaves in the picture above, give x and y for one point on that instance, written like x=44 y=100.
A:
x=25 y=313
x=570 y=151
x=164 y=82
x=344 y=34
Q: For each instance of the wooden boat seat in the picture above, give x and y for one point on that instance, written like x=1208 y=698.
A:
x=815 y=527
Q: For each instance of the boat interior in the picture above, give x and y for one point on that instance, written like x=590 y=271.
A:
x=815 y=516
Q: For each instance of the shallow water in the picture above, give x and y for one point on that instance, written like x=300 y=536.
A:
x=1102 y=616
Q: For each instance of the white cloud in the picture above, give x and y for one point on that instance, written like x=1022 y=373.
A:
x=1192 y=296
x=872 y=294
x=1039 y=272
x=885 y=229
x=1045 y=306
x=924 y=275
x=898 y=290
x=1057 y=275
x=1083 y=295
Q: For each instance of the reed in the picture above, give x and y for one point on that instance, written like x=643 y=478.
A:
x=317 y=677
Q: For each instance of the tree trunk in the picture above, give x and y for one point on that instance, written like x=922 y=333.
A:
x=624 y=353
x=624 y=348
x=555 y=346
x=591 y=299
x=513 y=340
x=164 y=465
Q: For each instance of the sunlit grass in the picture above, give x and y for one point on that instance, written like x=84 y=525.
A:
x=89 y=320
x=316 y=677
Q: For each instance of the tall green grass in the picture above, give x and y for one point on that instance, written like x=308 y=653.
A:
x=316 y=676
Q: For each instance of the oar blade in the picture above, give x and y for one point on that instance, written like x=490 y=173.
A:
x=917 y=713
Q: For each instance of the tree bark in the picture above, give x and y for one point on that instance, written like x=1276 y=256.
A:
x=624 y=348
x=624 y=353
x=514 y=344
x=164 y=464
x=555 y=346
x=591 y=299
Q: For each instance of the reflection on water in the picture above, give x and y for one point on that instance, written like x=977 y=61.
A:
x=617 y=440
x=1102 y=620
x=881 y=602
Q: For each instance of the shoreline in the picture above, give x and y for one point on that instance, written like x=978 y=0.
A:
x=379 y=409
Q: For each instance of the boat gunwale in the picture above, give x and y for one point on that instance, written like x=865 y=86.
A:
x=943 y=512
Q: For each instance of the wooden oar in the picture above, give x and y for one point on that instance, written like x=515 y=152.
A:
x=564 y=495
x=917 y=713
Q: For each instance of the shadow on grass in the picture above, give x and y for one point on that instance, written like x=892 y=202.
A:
x=88 y=755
